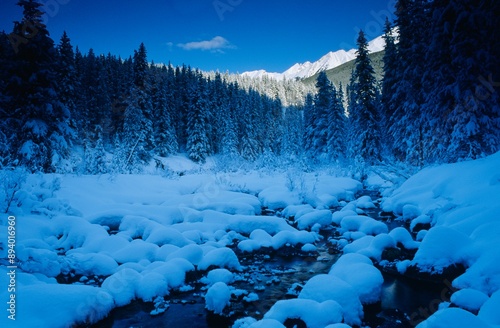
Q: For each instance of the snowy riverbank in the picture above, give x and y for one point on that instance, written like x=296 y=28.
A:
x=119 y=238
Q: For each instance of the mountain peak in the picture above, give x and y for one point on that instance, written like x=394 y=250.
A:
x=331 y=60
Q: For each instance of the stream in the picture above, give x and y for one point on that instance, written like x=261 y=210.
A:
x=277 y=275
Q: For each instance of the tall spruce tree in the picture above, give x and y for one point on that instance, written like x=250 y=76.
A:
x=309 y=122
x=165 y=137
x=40 y=121
x=364 y=108
x=322 y=106
x=198 y=143
x=464 y=122
x=336 y=126
x=389 y=82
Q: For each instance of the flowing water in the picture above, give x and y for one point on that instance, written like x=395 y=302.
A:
x=279 y=275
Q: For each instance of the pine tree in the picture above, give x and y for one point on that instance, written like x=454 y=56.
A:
x=198 y=144
x=66 y=73
x=165 y=138
x=463 y=120
x=309 y=123
x=229 y=108
x=322 y=103
x=40 y=120
x=95 y=155
x=389 y=82
x=407 y=124
x=250 y=106
x=336 y=126
x=364 y=110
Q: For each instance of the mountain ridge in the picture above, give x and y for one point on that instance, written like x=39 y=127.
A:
x=329 y=61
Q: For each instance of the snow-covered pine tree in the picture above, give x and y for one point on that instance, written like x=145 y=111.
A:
x=138 y=138
x=165 y=137
x=39 y=119
x=198 y=144
x=229 y=108
x=389 y=82
x=408 y=115
x=6 y=128
x=293 y=132
x=364 y=110
x=142 y=92
x=336 y=126
x=66 y=75
x=95 y=155
x=322 y=104
x=249 y=106
x=309 y=123
x=473 y=118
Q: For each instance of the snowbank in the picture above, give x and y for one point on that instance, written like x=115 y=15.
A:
x=460 y=201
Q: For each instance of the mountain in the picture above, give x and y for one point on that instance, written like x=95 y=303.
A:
x=330 y=60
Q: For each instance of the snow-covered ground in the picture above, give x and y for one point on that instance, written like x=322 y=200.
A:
x=127 y=237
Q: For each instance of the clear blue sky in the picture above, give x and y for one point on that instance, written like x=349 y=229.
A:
x=233 y=35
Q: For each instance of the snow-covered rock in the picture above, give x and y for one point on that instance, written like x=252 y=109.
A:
x=217 y=297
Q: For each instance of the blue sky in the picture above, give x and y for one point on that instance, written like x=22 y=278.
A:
x=233 y=35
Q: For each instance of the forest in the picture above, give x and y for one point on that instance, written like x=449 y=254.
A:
x=64 y=111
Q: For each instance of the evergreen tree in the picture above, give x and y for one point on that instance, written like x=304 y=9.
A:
x=40 y=121
x=95 y=155
x=249 y=107
x=336 y=126
x=407 y=124
x=309 y=122
x=364 y=110
x=229 y=108
x=66 y=73
x=166 y=140
x=389 y=82
x=463 y=123
x=322 y=103
x=292 y=132
x=198 y=144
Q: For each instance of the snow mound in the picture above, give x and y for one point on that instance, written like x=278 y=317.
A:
x=453 y=317
x=313 y=313
x=469 y=299
x=358 y=271
x=442 y=247
x=217 y=297
x=278 y=197
x=324 y=287
x=320 y=217
x=220 y=257
x=363 y=224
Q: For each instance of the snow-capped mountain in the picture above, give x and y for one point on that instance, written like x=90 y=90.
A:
x=330 y=60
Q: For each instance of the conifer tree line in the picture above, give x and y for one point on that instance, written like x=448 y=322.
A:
x=438 y=100
x=54 y=100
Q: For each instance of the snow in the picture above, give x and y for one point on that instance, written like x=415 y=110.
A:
x=218 y=275
x=454 y=317
x=324 y=287
x=308 y=220
x=137 y=236
x=363 y=224
x=314 y=314
x=358 y=271
x=469 y=299
x=217 y=297
x=443 y=246
x=489 y=310
x=220 y=257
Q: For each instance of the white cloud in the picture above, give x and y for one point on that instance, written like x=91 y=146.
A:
x=217 y=44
